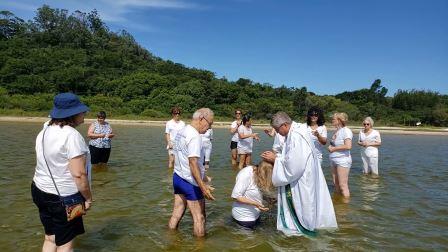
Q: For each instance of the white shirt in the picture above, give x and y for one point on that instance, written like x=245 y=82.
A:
x=374 y=136
x=207 y=137
x=279 y=142
x=172 y=127
x=318 y=146
x=234 y=125
x=245 y=144
x=61 y=145
x=338 y=140
x=245 y=187
x=188 y=144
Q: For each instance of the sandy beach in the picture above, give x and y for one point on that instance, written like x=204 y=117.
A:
x=225 y=124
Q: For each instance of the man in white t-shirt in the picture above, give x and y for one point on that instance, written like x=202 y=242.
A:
x=189 y=182
x=235 y=138
x=172 y=127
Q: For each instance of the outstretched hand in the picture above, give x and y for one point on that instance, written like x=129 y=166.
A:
x=268 y=156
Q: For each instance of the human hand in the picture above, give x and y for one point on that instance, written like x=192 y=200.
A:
x=110 y=135
x=262 y=208
x=87 y=204
x=268 y=156
x=331 y=149
x=316 y=133
x=207 y=192
x=256 y=137
x=170 y=145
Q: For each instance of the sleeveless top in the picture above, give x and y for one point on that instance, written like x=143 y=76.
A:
x=101 y=129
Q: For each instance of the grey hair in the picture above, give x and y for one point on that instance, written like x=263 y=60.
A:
x=280 y=118
x=202 y=112
x=370 y=120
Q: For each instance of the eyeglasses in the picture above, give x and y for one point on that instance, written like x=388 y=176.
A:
x=366 y=124
x=176 y=113
x=101 y=117
x=209 y=124
x=315 y=115
x=237 y=113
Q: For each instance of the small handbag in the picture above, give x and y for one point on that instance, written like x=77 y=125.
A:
x=74 y=204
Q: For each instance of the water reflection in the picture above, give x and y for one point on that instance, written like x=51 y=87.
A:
x=369 y=186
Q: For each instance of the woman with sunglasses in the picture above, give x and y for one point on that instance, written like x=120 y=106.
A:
x=369 y=139
x=316 y=124
x=340 y=157
x=172 y=127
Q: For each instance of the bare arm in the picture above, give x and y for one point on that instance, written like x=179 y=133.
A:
x=322 y=140
x=111 y=134
x=167 y=138
x=194 y=168
x=248 y=201
x=92 y=135
x=77 y=166
x=346 y=146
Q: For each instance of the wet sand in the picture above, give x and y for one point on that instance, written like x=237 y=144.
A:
x=391 y=130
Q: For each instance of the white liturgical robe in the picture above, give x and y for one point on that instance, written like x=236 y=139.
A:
x=304 y=202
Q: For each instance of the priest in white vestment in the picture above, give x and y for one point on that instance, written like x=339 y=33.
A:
x=304 y=202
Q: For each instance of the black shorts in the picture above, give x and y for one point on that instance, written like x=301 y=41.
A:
x=54 y=218
x=248 y=224
x=233 y=145
x=99 y=155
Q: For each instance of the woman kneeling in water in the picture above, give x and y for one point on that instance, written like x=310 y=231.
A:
x=251 y=183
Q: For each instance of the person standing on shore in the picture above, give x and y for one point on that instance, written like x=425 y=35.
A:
x=62 y=173
x=172 y=127
x=316 y=123
x=340 y=158
x=303 y=202
x=189 y=180
x=100 y=134
x=246 y=141
x=234 y=142
x=369 y=139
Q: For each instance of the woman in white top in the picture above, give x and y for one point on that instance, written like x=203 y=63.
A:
x=246 y=141
x=251 y=183
x=207 y=138
x=234 y=142
x=316 y=123
x=370 y=140
x=62 y=172
x=340 y=158
x=172 y=127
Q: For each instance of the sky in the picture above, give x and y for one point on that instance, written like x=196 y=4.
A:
x=327 y=46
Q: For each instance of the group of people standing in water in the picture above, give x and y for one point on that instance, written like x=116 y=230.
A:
x=293 y=167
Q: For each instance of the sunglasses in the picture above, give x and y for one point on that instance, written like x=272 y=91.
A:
x=315 y=114
x=237 y=113
x=366 y=124
x=176 y=113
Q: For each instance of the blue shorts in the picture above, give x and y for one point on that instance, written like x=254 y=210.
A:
x=181 y=186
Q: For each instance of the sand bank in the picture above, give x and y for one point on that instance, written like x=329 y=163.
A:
x=391 y=130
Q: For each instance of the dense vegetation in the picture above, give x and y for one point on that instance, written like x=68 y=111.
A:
x=58 y=51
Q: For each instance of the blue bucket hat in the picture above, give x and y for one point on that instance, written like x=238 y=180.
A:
x=66 y=105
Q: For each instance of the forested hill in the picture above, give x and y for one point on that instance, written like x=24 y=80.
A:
x=60 y=51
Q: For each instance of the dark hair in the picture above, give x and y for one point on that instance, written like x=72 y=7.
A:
x=320 y=116
x=70 y=121
x=175 y=109
x=101 y=114
x=246 y=118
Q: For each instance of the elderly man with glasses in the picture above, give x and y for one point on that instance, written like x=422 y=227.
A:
x=304 y=202
x=189 y=180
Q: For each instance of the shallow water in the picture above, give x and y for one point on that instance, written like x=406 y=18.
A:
x=406 y=208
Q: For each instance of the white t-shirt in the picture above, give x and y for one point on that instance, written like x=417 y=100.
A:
x=279 y=142
x=235 y=137
x=172 y=127
x=207 y=137
x=245 y=187
x=338 y=140
x=188 y=143
x=61 y=145
x=245 y=144
x=374 y=136
x=318 y=146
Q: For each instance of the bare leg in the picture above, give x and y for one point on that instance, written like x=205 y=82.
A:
x=242 y=161
x=334 y=174
x=198 y=217
x=68 y=247
x=342 y=174
x=234 y=157
x=49 y=244
x=248 y=159
x=170 y=161
x=180 y=204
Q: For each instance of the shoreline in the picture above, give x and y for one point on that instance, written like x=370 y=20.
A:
x=224 y=124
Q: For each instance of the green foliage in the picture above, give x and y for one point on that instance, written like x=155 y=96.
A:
x=59 y=51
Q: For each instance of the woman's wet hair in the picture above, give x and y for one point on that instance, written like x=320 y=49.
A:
x=315 y=111
x=263 y=176
x=246 y=118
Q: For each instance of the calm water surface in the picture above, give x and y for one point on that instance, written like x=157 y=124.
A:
x=406 y=208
